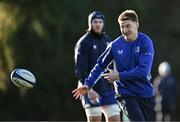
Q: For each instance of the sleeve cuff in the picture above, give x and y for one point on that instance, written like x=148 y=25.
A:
x=88 y=84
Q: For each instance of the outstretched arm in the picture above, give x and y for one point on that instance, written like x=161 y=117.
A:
x=96 y=73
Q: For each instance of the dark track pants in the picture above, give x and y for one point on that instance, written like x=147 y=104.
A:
x=138 y=109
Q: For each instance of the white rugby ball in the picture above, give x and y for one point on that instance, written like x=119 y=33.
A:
x=23 y=78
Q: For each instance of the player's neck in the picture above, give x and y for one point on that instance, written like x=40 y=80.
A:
x=133 y=38
x=96 y=34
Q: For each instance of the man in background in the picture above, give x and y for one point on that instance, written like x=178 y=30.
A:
x=101 y=98
x=165 y=89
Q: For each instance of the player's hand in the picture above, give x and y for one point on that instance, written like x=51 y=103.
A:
x=93 y=96
x=111 y=76
x=80 y=91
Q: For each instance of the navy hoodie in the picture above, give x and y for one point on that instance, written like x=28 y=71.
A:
x=87 y=50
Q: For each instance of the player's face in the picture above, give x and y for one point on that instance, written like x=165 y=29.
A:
x=97 y=25
x=129 y=29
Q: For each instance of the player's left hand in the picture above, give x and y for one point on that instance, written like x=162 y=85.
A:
x=111 y=76
x=93 y=96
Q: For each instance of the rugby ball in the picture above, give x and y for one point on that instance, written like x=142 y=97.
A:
x=23 y=78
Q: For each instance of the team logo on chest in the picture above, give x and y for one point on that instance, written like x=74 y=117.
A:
x=137 y=49
x=120 y=52
x=94 y=47
x=107 y=43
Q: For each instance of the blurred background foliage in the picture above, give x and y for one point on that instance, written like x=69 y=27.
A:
x=39 y=35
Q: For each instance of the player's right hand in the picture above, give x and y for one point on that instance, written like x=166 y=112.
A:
x=80 y=91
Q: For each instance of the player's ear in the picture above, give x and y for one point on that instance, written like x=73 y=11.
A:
x=137 y=25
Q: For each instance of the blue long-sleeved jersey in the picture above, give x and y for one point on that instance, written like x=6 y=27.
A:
x=87 y=50
x=133 y=62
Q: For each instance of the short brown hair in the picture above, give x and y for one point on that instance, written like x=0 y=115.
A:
x=128 y=15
